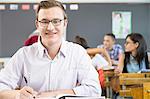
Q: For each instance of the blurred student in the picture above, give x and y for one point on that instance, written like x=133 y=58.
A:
x=52 y=66
x=115 y=50
x=92 y=51
x=136 y=57
x=81 y=41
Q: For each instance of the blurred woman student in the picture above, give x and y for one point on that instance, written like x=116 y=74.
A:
x=136 y=58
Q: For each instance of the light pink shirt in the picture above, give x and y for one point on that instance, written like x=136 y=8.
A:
x=72 y=65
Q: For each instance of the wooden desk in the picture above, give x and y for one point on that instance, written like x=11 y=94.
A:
x=109 y=73
x=146 y=90
x=132 y=84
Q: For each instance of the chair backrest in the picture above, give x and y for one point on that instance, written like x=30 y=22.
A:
x=134 y=78
x=31 y=40
x=132 y=84
x=146 y=90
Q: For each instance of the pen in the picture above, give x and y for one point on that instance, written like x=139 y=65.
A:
x=26 y=81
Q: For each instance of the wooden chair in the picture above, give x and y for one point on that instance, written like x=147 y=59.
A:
x=108 y=75
x=146 y=90
x=132 y=84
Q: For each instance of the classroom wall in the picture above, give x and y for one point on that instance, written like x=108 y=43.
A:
x=0 y=34
x=96 y=21
x=16 y=26
x=91 y=21
x=148 y=40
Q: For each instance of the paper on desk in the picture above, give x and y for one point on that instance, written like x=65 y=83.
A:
x=47 y=98
x=108 y=67
x=99 y=61
x=70 y=96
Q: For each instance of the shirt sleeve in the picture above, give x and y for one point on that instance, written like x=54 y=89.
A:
x=120 y=49
x=10 y=75
x=87 y=77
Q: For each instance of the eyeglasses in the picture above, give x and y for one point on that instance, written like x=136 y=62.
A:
x=55 y=22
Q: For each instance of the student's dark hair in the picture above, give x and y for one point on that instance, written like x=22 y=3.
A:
x=49 y=4
x=141 y=49
x=81 y=41
x=111 y=35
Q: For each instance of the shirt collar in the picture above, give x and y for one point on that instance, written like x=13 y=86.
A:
x=132 y=58
x=113 y=47
x=42 y=49
x=63 y=48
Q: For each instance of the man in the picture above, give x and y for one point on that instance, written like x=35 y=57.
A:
x=115 y=50
x=51 y=66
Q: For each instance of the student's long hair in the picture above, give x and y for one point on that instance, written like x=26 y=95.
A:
x=141 y=49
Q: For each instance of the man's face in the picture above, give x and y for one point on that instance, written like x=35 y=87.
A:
x=51 y=32
x=108 y=42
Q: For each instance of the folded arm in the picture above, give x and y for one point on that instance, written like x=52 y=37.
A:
x=55 y=93
x=93 y=51
x=8 y=94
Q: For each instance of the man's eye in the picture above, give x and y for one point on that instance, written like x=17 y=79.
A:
x=55 y=21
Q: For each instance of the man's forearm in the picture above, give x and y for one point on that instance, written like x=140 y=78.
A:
x=55 y=93
x=11 y=94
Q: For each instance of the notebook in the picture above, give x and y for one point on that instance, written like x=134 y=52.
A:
x=66 y=96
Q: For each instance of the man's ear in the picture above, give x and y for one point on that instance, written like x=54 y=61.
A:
x=36 y=24
x=65 y=23
x=113 y=41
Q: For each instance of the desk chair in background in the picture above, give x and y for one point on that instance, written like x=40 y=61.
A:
x=33 y=37
x=31 y=40
x=134 y=85
x=146 y=90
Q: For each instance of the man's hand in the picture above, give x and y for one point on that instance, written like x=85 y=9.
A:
x=26 y=93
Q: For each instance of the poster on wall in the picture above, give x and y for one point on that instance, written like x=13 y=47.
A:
x=121 y=23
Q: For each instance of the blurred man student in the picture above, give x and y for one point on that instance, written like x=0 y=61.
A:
x=115 y=50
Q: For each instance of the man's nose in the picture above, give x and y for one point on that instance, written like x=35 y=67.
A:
x=50 y=26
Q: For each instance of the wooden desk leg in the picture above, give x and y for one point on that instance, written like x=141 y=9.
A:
x=107 y=88
x=110 y=90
